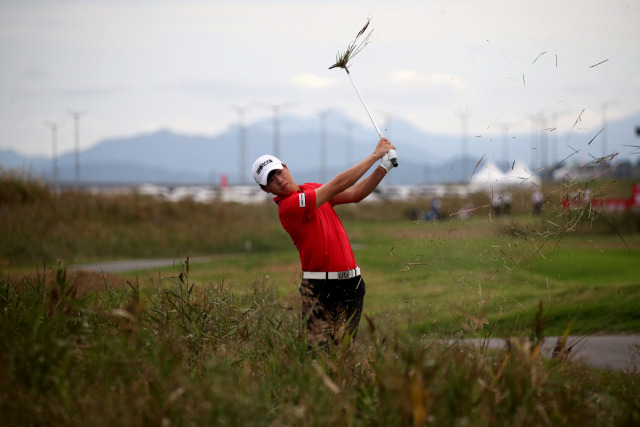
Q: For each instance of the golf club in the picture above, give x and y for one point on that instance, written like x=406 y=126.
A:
x=342 y=61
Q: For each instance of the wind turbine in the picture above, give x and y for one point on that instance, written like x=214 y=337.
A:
x=276 y=124
x=76 y=119
x=242 y=143
x=54 y=142
x=464 y=142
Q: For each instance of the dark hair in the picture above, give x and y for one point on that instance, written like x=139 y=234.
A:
x=270 y=175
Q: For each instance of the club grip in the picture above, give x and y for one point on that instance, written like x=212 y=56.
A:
x=393 y=157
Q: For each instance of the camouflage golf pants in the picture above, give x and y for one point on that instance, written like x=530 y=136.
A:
x=331 y=309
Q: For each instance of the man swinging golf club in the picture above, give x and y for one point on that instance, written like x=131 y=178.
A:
x=332 y=289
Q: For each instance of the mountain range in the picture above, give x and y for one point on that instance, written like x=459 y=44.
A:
x=169 y=157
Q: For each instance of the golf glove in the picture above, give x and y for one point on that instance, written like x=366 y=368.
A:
x=388 y=159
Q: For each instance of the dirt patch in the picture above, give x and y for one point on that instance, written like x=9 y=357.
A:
x=94 y=281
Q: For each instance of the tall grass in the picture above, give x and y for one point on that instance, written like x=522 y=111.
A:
x=177 y=354
x=41 y=225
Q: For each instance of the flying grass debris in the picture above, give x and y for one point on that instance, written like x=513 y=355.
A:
x=595 y=136
x=603 y=160
x=561 y=162
x=578 y=120
x=469 y=210
x=601 y=62
x=541 y=53
x=508 y=256
x=474 y=169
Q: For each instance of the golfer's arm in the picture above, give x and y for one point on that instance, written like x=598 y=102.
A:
x=345 y=180
x=362 y=189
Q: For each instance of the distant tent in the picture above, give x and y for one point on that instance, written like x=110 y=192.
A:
x=490 y=177
x=520 y=175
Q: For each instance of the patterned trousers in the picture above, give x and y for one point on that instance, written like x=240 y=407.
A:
x=331 y=309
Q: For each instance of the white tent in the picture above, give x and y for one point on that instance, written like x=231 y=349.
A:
x=521 y=176
x=490 y=177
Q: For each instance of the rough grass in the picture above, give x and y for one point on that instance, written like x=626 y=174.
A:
x=450 y=277
x=178 y=354
x=172 y=350
x=40 y=226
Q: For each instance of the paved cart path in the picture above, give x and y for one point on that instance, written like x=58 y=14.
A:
x=616 y=352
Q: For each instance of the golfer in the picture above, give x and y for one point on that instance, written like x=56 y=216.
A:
x=332 y=289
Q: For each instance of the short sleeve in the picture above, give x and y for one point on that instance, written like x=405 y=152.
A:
x=297 y=209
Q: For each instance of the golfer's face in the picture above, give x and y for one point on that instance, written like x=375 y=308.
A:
x=280 y=182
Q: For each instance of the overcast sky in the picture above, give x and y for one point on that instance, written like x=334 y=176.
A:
x=136 y=66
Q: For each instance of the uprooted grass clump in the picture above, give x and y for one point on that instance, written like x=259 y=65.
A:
x=354 y=48
x=178 y=353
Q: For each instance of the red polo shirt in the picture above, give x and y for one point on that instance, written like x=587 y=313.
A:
x=317 y=233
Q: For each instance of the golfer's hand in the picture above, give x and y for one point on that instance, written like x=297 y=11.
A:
x=383 y=146
x=386 y=162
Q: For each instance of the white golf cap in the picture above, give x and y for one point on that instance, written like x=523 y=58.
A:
x=263 y=166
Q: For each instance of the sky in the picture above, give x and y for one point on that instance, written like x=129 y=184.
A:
x=138 y=66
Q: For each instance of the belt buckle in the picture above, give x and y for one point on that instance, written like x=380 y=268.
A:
x=346 y=274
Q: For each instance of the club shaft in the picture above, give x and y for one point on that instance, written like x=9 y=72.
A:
x=394 y=160
x=364 y=104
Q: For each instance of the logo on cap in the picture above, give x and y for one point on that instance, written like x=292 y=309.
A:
x=262 y=165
